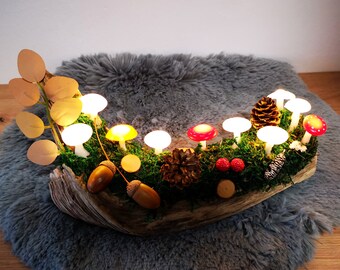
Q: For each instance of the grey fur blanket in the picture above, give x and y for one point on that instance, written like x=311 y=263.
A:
x=173 y=93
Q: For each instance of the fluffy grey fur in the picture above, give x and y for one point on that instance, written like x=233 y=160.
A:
x=173 y=93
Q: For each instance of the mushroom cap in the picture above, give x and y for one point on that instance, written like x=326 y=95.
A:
x=76 y=134
x=298 y=105
x=93 y=103
x=272 y=134
x=202 y=132
x=314 y=125
x=158 y=139
x=122 y=132
x=236 y=124
x=281 y=93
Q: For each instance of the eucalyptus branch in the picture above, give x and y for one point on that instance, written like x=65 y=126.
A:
x=49 y=118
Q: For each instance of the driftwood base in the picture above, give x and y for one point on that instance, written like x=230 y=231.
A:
x=69 y=194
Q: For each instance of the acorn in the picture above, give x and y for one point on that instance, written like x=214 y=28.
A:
x=101 y=176
x=144 y=195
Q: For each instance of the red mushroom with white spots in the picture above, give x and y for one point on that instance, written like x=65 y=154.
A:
x=314 y=126
x=202 y=133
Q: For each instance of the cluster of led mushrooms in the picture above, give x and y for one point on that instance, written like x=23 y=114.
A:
x=64 y=103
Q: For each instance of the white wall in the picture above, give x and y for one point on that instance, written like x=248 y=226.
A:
x=305 y=33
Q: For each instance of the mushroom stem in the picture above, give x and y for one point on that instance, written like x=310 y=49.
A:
x=122 y=144
x=279 y=103
x=237 y=136
x=204 y=144
x=96 y=120
x=158 y=151
x=306 y=138
x=268 y=148
x=294 y=122
x=79 y=150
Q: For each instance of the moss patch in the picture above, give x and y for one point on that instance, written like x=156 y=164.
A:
x=251 y=150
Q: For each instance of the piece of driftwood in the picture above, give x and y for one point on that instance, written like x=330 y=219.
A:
x=69 y=194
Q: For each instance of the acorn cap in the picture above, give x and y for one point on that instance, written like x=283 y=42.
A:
x=109 y=164
x=314 y=125
x=132 y=187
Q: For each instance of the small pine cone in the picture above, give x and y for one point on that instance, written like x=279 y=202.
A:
x=275 y=166
x=265 y=113
x=181 y=169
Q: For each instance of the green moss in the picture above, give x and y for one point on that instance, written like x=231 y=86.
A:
x=251 y=150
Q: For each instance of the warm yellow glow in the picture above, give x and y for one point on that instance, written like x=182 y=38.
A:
x=121 y=132
x=202 y=128
x=130 y=163
x=315 y=122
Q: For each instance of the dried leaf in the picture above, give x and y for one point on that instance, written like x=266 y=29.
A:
x=31 y=66
x=25 y=93
x=43 y=152
x=65 y=111
x=59 y=87
x=30 y=124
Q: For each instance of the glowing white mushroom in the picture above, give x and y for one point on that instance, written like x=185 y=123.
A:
x=158 y=140
x=272 y=135
x=92 y=105
x=280 y=95
x=297 y=106
x=76 y=135
x=236 y=125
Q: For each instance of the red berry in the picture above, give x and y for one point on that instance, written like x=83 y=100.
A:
x=222 y=164
x=237 y=165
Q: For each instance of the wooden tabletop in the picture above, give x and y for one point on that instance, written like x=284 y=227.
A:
x=326 y=85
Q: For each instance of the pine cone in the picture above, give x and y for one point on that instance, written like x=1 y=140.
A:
x=265 y=113
x=181 y=169
x=275 y=166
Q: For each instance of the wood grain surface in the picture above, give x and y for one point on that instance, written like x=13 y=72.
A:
x=326 y=85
